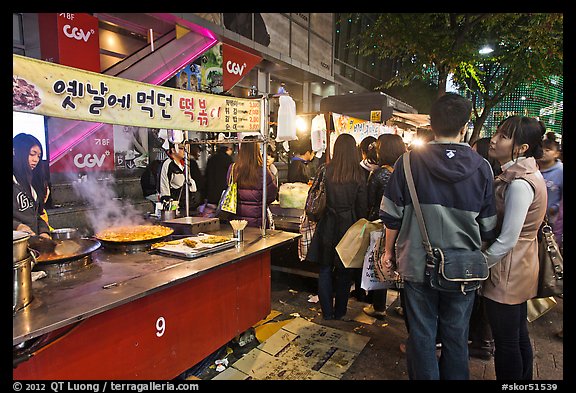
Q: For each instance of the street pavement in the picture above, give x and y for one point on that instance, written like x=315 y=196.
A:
x=382 y=358
x=294 y=295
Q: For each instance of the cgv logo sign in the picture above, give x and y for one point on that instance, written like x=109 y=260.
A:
x=89 y=160
x=236 y=64
x=76 y=33
x=235 y=68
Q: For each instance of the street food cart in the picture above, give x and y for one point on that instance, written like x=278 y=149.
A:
x=134 y=312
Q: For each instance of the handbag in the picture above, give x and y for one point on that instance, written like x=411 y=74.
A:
x=551 y=273
x=386 y=271
x=353 y=245
x=537 y=307
x=306 y=229
x=229 y=198
x=370 y=280
x=316 y=199
x=448 y=269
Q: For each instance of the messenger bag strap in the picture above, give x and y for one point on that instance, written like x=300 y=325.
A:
x=416 y=203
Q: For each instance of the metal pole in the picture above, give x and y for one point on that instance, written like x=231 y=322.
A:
x=187 y=173
x=264 y=118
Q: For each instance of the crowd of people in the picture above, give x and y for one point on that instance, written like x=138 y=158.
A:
x=492 y=196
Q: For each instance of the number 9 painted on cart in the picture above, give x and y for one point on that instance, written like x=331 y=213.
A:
x=160 y=326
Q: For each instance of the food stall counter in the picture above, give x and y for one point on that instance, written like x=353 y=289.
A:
x=143 y=315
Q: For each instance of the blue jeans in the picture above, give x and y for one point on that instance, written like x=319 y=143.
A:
x=513 y=356
x=333 y=291
x=431 y=313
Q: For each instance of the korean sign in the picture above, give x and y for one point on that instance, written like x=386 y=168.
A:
x=55 y=90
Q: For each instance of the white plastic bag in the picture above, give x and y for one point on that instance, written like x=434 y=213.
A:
x=369 y=280
x=318 y=134
x=293 y=195
x=286 y=119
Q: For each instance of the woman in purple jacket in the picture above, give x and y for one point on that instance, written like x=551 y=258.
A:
x=248 y=175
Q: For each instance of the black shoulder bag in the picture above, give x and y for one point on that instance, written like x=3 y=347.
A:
x=316 y=199
x=449 y=269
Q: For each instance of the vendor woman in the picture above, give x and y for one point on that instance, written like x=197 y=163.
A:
x=29 y=186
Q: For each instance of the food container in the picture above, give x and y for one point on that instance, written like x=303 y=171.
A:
x=238 y=235
x=22 y=278
x=167 y=215
x=20 y=246
x=65 y=234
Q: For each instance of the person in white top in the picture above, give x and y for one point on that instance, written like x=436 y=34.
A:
x=172 y=177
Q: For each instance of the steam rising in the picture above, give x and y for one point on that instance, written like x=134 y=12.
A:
x=107 y=209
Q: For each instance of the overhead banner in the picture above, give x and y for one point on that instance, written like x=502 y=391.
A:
x=59 y=91
x=359 y=128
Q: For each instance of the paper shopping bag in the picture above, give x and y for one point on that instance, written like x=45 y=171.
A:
x=354 y=244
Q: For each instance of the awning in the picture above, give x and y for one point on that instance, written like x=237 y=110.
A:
x=416 y=120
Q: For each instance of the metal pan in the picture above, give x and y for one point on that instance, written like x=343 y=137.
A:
x=169 y=231
x=132 y=246
x=67 y=250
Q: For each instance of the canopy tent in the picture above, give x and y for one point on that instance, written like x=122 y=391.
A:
x=361 y=105
x=413 y=120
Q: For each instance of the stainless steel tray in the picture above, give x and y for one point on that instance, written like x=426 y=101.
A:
x=201 y=249
x=192 y=225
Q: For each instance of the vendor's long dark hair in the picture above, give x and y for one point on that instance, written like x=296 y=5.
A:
x=346 y=161
x=21 y=144
x=248 y=165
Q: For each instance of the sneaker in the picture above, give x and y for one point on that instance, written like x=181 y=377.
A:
x=369 y=310
x=399 y=310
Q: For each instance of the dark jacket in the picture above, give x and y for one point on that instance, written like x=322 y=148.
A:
x=25 y=210
x=249 y=206
x=455 y=187
x=197 y=197
x=215 y=176
x=149 y=180
x=298 y=171
x=377 y=182
x=345 y=204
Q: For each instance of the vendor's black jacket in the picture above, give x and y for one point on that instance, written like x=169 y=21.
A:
x=215 y=175
x=149 y=180
x=25 y=210
x=345 y=204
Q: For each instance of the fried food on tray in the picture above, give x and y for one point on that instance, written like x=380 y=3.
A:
x=162 y=244
x=213 y=239
x=189 y=242
x=130 y=233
